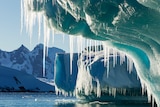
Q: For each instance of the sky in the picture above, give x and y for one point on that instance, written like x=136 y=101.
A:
x=11 y=36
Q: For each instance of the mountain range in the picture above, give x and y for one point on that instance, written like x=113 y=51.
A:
x=31 y=62
x=12 y=80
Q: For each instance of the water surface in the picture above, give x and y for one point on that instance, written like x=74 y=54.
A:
x=52 y=100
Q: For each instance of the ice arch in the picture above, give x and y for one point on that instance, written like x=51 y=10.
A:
x=130 y=26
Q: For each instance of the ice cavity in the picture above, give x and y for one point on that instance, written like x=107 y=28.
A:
x=29 y=18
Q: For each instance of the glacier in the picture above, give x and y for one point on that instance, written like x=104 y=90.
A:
x=128 y=26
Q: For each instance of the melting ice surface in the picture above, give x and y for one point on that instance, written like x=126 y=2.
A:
x=131 y=26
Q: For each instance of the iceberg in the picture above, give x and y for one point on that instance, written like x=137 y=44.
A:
x=128 y=26
x=91 y=81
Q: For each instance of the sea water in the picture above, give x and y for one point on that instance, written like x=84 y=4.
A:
x=52 y=100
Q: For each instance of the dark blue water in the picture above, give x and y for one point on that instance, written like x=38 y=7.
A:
x=51 y=100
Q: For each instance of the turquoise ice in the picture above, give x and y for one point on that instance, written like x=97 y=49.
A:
x=129 y=26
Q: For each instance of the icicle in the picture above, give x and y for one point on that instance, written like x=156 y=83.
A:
x=79 y=46
x=114 y=92
x=95 y=47
x=39 y=25
x=105 y=54
x=149 y=96
x=152 y=99
x=22 y=15
x=109 y=91
x=82 y=43
x=116 y=54
x=98 y=88
x=122 y=57
x=71 y=39
x=90 y=50
x=143 y=87
x=108 y=57
x=44 y=56
x=44 y=59
x=56 y=90
x=124 y=91
x=114 y=57
x=46 y=41
x=129 y=64
x=87 y=46
x=100 y=47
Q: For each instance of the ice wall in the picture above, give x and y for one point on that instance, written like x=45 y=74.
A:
x=65 y=81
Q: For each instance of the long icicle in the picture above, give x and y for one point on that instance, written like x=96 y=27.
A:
x=71 y=39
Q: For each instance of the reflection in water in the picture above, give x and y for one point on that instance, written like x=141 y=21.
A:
x=76 y=103
x=100 y=105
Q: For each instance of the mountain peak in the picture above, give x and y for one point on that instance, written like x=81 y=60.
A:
x=23 y=48
x=39 y=46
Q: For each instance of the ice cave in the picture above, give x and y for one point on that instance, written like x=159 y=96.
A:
x=130 y=27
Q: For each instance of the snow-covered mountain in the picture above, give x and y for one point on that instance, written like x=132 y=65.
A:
x=14 y=80
x=31 y=62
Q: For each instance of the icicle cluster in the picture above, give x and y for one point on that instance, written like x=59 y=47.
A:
x=93 y=52
x=29 y=19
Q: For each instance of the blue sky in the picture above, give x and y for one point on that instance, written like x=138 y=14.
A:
x=10 y=36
